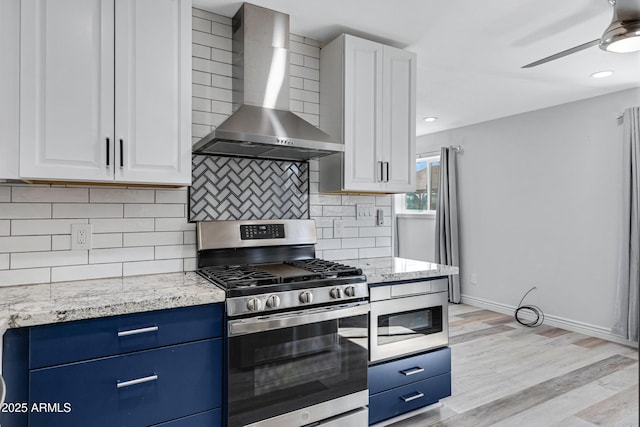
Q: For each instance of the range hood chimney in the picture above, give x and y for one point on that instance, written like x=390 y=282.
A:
x=262 y=125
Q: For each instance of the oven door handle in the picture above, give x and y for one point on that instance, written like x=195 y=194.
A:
x=286 y=320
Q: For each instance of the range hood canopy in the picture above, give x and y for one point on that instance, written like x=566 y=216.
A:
x=262 y=125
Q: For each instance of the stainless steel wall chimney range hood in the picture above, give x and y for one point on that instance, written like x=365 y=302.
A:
x=263 y=126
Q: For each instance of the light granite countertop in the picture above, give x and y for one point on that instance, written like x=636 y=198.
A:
x=33 y=305
x=391 y=269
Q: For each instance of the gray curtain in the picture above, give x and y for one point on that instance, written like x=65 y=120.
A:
x=628 y=283
x=447 y=249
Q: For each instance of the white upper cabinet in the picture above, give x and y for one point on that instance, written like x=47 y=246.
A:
x=9 y=87
x=367 y=99
x=105 y=91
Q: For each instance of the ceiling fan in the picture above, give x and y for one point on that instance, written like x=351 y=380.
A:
x=621 y=36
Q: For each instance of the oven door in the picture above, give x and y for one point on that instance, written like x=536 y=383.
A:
x=297 y=368
x=403 y=326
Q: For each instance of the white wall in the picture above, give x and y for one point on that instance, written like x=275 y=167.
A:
x=540 y=206
x=416 y=236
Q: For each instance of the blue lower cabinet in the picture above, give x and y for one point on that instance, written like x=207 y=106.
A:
x=205 y=419
x=135 y=389
x=400 y=400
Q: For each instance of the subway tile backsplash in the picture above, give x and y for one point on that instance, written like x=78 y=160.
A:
x=146 y=230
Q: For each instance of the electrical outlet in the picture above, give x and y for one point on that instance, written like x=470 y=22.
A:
x=380 y=217
x=474 y=279
x=80 y=236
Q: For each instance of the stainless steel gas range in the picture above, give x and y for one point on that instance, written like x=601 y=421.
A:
x=297 y=326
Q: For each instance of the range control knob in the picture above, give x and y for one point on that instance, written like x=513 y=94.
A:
x=254 y=304
x=306 y=297
x=273 y=301
x=350 y=291
x=336 y=293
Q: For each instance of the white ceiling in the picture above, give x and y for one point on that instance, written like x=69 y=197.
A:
x=470 y=51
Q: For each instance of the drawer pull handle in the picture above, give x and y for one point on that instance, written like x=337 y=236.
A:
x=137 y=381
x=137 y=331
x=412 y=371
x=418 y=395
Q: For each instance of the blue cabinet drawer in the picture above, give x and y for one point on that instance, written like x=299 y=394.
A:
x=204 y=419
x=136 y=389
x=87 y=339
x=405 y=371
x=407 y=398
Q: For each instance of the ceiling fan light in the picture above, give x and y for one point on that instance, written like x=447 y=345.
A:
x=621 y=37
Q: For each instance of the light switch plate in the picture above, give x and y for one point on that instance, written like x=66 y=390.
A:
x=364 y=210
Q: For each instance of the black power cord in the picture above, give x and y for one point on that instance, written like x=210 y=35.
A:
x=537 y=312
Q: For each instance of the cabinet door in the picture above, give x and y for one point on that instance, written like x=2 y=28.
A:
x=153 y=91
x=399 y=120
x=363 y=114
x=9 y=87
x=66 y=89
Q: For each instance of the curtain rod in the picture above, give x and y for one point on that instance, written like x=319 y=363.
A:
x=456 y=148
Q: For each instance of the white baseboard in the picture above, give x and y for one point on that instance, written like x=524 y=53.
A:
x=559 y=322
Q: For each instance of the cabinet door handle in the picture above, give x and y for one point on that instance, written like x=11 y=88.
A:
x=122 y=384
x=412 y=371
x=418 y=395
x=387 y=167
x=121 y=153
x=137 y=331
x=108 y=152
x=381 y=175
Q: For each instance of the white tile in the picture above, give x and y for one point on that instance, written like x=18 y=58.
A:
x=212 y=40
x=296 y=59
x=338 y=254
x=153 y=239
x=304 y=49
x=311 y=42
x=47 y=259
x=311 y=108
x=314 y=165
x=221 y=29
x=25 y=277
x=296 y=38
x=374 y=231
x=221 y=107
x=221 y=55
x=25 y=210
x=190 y=264
x=383 y=241
x=325 y=199
x=102 y=256
x=352 y=199
x=211 y=16
x=205 y=118
x=108 y=240
x=384 y=200
x=118 y=225
x=189 y=237
x=314 y=176
x=171 y=196
x=201 y=24
x=152 y=267
x=176 y=251
x=61 y=242
x=326 y=233
x=350 y=232
x=315 y=210
x=34 y=227
x=198 y=131
x=85 y=272
x=311 y=118
x=25 y=243
x=156 y=210
x=311 y=85
x=296 y=82
x=49 y=194
x=339 y=211
x=296 y=106
x=201 y=104
x=366 y=242
x=324 y=244
x=200 y=51
x=4 y=261
x=83 y=210
x=174 y=224
x=304 y=72
x=5 y=227
x=374 y=252
x=305 y=95
x=121 y=195
x=5 y=193
x=213 y=67
x=217 y=93
x=311 y=62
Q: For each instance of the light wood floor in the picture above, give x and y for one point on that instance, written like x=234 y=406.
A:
x=508 y=375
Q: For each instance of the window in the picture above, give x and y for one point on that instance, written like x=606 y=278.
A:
x=425 y=199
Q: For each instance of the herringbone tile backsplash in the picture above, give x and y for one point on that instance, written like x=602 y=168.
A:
x=226 y=188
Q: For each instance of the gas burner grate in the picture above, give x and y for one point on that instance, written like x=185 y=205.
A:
x=236 y=276
x=327 y=269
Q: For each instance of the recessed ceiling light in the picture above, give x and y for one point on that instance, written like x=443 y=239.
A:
x=602 y=74
x=430 y=119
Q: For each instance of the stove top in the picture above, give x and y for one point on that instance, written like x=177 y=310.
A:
x=270 y=265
